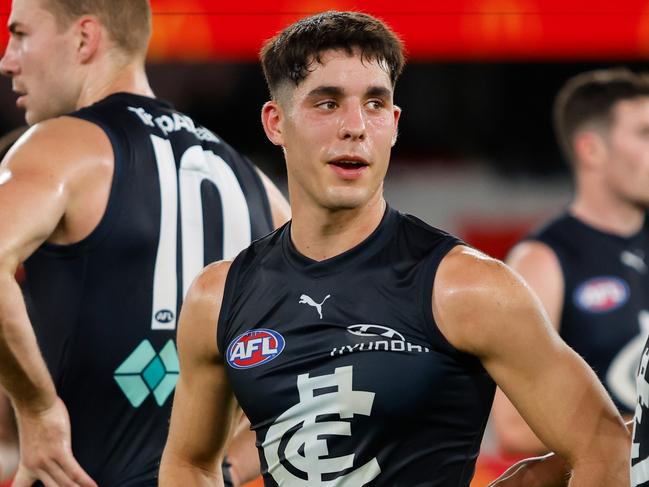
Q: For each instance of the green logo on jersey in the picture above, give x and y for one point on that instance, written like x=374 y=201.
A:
x=145 y=372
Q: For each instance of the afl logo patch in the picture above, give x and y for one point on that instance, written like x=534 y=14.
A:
x=602 y=294
x=164 y=316
x=254 y=347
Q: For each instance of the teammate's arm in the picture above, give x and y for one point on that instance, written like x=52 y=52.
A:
x=485 y=309
x=39 y=179
x=540 y=268
x=204 y=408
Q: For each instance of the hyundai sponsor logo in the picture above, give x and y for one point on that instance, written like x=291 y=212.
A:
x=378 y=338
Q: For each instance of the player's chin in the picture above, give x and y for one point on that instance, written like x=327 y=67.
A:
x=346 y=197
x=33 y=116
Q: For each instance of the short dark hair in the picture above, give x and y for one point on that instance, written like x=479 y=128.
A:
x=287 y=56
x=128 y=21
x=589 y=98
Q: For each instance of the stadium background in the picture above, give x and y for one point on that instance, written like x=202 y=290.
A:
x=476 y=153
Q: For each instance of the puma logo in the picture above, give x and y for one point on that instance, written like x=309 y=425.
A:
x=304 y=299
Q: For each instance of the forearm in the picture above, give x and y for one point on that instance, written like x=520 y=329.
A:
x=513 y=433
x=23 y=372
x=605 y=472
x=175 y=472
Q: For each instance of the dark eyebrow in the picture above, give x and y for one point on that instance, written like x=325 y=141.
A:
x=337 y=92
x=326 y=91
x=379 y=92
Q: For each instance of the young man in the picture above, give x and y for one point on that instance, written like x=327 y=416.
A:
x=362 y=343
x=113 y=208
x=588 y=264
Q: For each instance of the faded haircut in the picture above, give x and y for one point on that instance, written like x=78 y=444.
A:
x=287 y=57
x=589 y=98
x=128 y=21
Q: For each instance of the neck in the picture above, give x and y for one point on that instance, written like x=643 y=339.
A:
x=605 y=211
x=320 y=233
x=109 y=78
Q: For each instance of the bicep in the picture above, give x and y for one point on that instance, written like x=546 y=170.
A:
x=202 y=416
x=204 y=408
x=488 y=311
x=32 y=202
x=38 y=178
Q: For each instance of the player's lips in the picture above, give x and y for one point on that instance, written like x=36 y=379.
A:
x=349 y=167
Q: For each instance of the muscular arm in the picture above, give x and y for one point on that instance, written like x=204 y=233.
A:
x=540 y=268
x=485 y=309
x=204 y=409
x=40 y=199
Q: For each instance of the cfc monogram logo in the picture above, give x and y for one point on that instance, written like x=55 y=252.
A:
x=296 y=447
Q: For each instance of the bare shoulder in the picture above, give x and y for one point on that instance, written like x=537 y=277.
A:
x=200 y=312
x=533 y=256
x=59 y=144
x=210 y=282
x=465 y=270
x=476 y=299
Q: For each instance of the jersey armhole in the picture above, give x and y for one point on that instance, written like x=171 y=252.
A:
x=113 y=204
x=226 y=303
x=437 y=339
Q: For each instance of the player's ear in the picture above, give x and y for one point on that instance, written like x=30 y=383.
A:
x=397 y=115
x=271 y=119
x=89 y=35
x=589 y=148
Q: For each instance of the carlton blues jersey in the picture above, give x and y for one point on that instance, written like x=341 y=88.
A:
x=341 y=369
x=605 y=316
x=105 y=309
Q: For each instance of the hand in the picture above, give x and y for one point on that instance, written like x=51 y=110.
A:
x=45 y=450
x=546 y=471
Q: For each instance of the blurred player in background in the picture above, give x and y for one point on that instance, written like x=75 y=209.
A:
x=588 y=265
x=113 y=208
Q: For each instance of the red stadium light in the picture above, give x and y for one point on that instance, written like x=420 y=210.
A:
x=462 y=30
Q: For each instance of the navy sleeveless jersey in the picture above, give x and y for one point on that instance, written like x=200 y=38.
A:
x=105 y=309
x=605 y=316
x=341 y=369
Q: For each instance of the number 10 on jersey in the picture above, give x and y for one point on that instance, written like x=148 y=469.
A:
x=184 y=185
